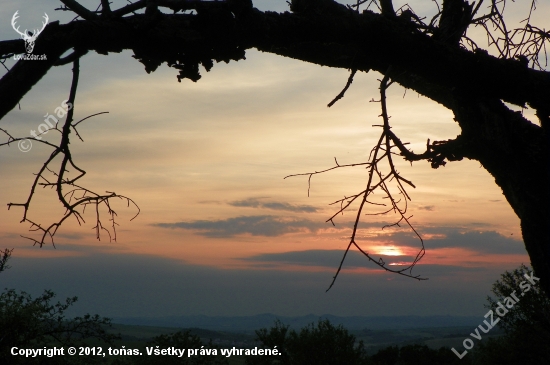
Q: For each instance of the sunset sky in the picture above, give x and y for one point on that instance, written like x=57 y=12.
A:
x=221 y=232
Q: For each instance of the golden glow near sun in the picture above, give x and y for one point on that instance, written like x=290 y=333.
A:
x=389 y=251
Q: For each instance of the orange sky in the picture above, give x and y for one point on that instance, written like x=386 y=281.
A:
x=205 y=162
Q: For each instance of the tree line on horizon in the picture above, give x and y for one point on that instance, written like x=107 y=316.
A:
x=27 y=322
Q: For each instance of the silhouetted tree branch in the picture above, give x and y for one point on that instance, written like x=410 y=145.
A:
x=377 y=180
x=435 y=57
x=71 y=195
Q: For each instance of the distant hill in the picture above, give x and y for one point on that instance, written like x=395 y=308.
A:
x=251 y=323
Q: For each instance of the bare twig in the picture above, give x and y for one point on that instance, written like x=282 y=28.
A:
x=381 y=152
x=77 y=196
x=343 y=92
x=310 y=174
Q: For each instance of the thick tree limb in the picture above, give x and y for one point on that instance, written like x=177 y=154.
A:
x=80 y=10
x=25 y=74
x=359 y=41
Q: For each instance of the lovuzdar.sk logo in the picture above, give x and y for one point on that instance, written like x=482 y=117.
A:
x=29 y=37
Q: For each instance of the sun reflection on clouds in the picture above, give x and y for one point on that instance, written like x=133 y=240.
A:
x=400 y=263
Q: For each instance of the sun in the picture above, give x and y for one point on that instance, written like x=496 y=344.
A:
x=389 y=251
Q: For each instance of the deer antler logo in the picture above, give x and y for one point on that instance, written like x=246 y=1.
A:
x=29 y=37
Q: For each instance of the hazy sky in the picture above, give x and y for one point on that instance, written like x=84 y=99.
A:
x=220 y=231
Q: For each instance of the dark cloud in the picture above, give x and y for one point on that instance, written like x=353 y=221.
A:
x=256 y=225
x=477 y=224
x=70 y=236
x=484 y=242
x=427 y=207
x=432 y=271
x=256 y=203
x=210 y=202
x=6 y=236
x=487 y=242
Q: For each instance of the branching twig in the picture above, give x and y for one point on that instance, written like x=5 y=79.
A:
x=382 y=151
x=310 y=174
x=77 y=196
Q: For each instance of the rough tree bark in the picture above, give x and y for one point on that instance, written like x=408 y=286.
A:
x=428 y=58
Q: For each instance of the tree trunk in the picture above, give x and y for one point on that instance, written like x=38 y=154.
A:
x=516 y=153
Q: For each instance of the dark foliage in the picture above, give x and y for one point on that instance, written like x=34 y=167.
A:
x=321 y=344
x=37 y=323
x=4 y=257
x=416 y=355
x=177 y=340
x=526 y=322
